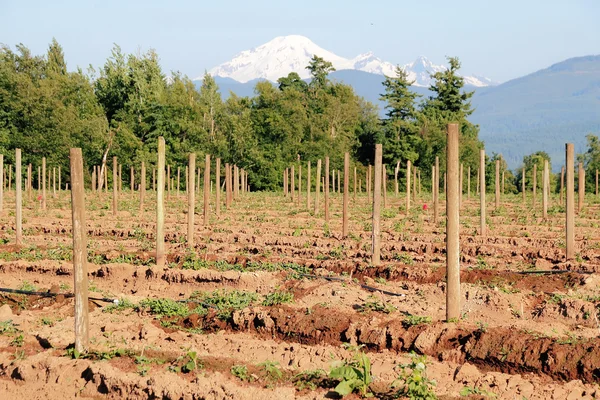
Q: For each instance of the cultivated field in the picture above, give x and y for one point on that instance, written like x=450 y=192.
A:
x=272 y=300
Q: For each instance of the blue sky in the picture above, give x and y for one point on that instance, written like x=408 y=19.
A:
x=501 y=39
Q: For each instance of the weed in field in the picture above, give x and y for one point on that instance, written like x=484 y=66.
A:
x=413 y=381
x=375 y=304
x=225 y=302
x=404 y=258
x=278 y=297
x=352 y=375
x=164 y=307
x=308 y=379
x=8 y=327
x=413 y=320
x=271 y=370
x=18 y=341
x=241 y=372
x=470 y=391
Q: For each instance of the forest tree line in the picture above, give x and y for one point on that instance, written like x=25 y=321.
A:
x=121 y=109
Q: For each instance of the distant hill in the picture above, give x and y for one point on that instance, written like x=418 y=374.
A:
x=540 y=111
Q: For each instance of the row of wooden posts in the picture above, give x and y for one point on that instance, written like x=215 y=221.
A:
x=293 y=188
x=453 y=195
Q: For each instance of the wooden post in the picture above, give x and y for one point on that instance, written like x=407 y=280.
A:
x=317 y=186
x=19 y=197
x=333 y=181
x=106 y=179
x=285 y=181
x=154 y=179
x=354 y=183
x=131 y=179
x=39 y=186
x=469 y=182
x=414 y=183
x=534 y=184
x=80 y=273
x=497 y=183
x=308 y=185
x=523 y=184
x=54 y=182
x=545 y=194
x=206 y=187
x=482 y=212
x=562 y=184
x=396 y=171
x=94 y=179
x=168 y=181
x=217 y=187
x=228 y=185
x=142 y=187
x=326 y=188
x=293 y=192
x=160 y=205
x=2 y=185
x=452 y=227
x=436 y=191
x=43 y=183
x=570 y=208
x=115 y=186
x=198 y=179
x=59 y=178
x=376 y=235
x=369 y=182
x=29 y=188
x=408 y=165
x=191 y=199
x=581 y=187
x=384 y=183
x=345 y=217
x=236 y=182
x=178 y=180
x=299 y=183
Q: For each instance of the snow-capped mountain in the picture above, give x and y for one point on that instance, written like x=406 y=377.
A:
x=286 y=54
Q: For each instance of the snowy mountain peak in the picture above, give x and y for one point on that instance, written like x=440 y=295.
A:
x=292 y=53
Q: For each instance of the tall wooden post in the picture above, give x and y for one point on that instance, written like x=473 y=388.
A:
x=469 y=182
x=534 y=184
x=333 y=181
x=408 y=165
x=523 y=184
x=346 y=194
x=299 y=183
x=317 y=186
x=154 y=179
x=169 y=181
x=206 y=187
x=28 y=184
x=54 y=182
x=414 y=183
x=217 y=187
x=191 y=199
x=178 y=178
x=59 y=178
x=326 y=189
x=354 y=183
x=285 y=185
x=477 y=183
x=308 y=185
x=482 y=212
x=376 y=236
x=19 y=197
x=545 y=194
x=142 y=187
x=2 y=171
x=131 y=179
x=228 y=185
x=497 y=183
x=562 y=184
x=436 y=191
x=452 y=227
x=570 y=208
x=43 y=183
x=80 y=273
x=160 y=205
x=396 y=171
x=293 y=187
x=370 y=182
x=581 y=187
x=384 y=183
x=115 y=186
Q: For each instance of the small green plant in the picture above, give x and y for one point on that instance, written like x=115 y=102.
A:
x=404 y=258
x=164 y=307
x=277 y=297
x=353 y=375
x=413 y=381
x=29 y=287
x=17 y=341
x=240 y=372
x=469 y=391
x=308 y=379
x=412 y=320
x=271 y=370
x=375 y=304
x=192 y=362
x=7 y=327
x=482 y=326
